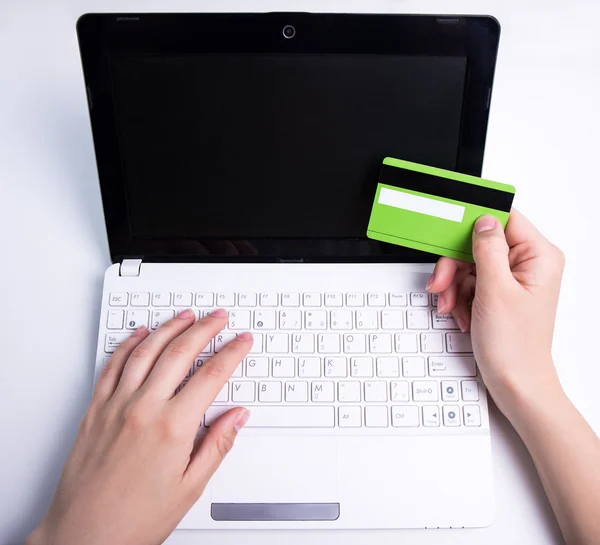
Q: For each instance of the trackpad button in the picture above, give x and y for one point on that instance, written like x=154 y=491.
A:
x=278 y=470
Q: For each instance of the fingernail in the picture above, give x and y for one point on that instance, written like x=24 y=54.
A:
x=245 y=336
x=441 y=303
x=485 y=223
x=241 y=420
x=187 y=313
x=219 y=313
x=140 y=331
x=461 y=324
x=430 y=281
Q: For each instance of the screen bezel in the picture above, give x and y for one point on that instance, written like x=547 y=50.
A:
x=475 y=37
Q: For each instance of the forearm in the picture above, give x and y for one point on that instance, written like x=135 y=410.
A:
x=566 y=453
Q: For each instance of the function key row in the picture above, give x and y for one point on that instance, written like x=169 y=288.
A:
x=270 y=299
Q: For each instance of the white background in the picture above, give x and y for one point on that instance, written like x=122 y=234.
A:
x=543 y=138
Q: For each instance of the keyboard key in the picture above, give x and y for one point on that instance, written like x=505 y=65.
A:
x=366 y=319
x=355 y=300
x=222 y=339
x=315 y=319
x=361 y=367
x=391 y=319
x=118 y=299
x=376 y=391
x=296 y=392
x=434 y=300
x=449 y=390
x=406 y=343
x=309 y=367
x=257 y=345
x=398 y=299
x=459 y=342
x=238 y=373
x=136 y=318
x=303 y=343
x=265 y=319
x=247 y=299
x=451 y=415
x=431 y=342
x=335 y=367
x=257 y=367
x=223 y=395
x=283 y=368
x=413 y=366
x=452 y=366
x=472 y=415
x=204 y=299
x=290 y=299
x=140 y=299
x=405 y=416
x=376 y=299
x=349 y=417
x=380 y=343
x=291 y=417
x=312 y=299
x=470 y=390
x=241 y=392
x=417 y=319
x=112 y=340
x=355 y=343
x=161 y=299
x=425 y=390
x=399 y=391
x=341 y=319
x=334 y=300
x=208 y=348
x=376 y=417
x=431 y=416
x=349 y=392
x=159 y=317
x=225 y=299
x=239 y=320
x=268 y=299
x=419 y=299
x=290 y=319
x=277 y=343
x=115 y=319
x=328 y=343
x=269 y=392
x=442 y=321
x=387 y=367
x=182 y=300
x=322 y=392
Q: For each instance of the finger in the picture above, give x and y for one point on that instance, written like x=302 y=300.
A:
x=111 y=373
x=447 y=299
x=519 y=230
x=490 y=252
x=462 y=310
x=214 y=447
x=443 y=275
x=200 y=391
x=175 y=362
x=144 y=356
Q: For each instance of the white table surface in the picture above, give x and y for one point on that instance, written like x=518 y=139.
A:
x=543 y=138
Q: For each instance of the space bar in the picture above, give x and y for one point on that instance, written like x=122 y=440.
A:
x=285 y=417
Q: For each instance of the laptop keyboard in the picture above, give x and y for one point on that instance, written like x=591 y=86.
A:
x=328 y=360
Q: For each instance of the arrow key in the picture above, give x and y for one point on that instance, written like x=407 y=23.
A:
x=431 y=416
x=471 y=415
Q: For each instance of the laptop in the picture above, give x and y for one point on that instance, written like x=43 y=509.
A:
x=238 y=156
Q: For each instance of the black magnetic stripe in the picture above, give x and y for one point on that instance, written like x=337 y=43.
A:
x=446 y=188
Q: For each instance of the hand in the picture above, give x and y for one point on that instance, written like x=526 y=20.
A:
x=134 y=470
x=508 y=300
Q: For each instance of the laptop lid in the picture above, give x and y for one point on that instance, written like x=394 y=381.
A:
x=259 y=137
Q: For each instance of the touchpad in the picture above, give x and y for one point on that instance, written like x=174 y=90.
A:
x=278 y=470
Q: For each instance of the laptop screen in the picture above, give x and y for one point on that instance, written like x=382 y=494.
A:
x=273 y=149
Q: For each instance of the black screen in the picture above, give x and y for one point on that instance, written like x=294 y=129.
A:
x=276 y=146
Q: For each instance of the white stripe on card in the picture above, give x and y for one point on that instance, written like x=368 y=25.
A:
x=421 y=205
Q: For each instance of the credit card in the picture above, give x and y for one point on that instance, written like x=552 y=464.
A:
x=432 y=209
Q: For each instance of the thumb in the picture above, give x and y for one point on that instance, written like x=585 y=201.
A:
x=490 y=252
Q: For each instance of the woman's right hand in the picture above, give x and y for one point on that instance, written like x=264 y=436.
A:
x=508 y=301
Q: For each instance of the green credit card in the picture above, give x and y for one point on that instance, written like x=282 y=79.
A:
x=433 y=209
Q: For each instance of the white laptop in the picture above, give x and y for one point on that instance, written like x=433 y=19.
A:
x=238 y=156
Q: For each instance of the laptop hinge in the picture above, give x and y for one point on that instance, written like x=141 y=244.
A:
x=130 y=267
